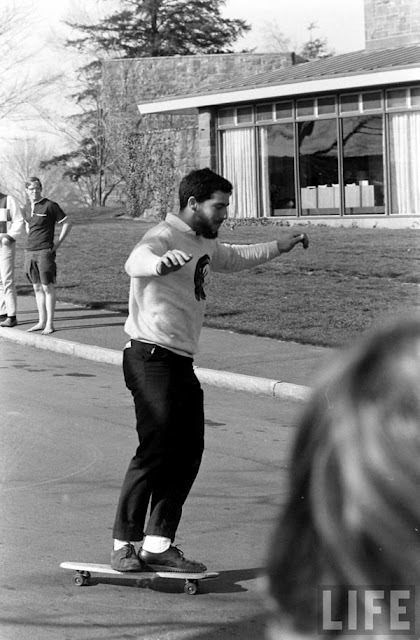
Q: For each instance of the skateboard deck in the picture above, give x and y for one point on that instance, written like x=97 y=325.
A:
x=84 y=570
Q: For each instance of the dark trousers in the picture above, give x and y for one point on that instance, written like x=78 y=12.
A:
x=168 y=402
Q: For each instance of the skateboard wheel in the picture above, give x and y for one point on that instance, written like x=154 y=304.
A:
x=191 y=587
x=79 y=580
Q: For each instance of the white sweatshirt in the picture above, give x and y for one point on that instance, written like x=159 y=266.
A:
x=168 y=310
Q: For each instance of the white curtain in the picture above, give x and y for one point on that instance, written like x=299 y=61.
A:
x=405 y=162
x=265 y=179
x=239 y=166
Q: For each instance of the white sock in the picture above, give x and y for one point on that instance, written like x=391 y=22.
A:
x=119 y=544
x=156 y=544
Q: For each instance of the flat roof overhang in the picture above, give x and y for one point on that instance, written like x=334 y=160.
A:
x=190 y=103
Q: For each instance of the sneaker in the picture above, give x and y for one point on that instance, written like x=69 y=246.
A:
x=171 y=560
x=126 y=559
x=9 y=322
x=3 y=316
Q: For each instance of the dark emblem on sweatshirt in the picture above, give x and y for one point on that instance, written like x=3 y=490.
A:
x=201 y=272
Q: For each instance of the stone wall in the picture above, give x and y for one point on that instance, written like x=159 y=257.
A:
x=127 y=82
x=391 y=23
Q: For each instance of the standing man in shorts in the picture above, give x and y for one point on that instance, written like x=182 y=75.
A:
x=40 y=252
x=12 y=224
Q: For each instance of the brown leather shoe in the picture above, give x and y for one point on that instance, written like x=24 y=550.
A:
x=171 y=560
x=126 y=559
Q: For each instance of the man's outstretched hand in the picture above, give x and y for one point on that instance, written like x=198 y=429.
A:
x=291 y=239
x=172 y=261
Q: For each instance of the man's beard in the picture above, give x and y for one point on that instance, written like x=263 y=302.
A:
x=202 y=228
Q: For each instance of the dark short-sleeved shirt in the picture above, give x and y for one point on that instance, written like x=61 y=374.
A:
x=42 y=224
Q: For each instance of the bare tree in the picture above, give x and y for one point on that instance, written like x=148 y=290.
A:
x=19 y=86
x=22 y=159
x=271 y=38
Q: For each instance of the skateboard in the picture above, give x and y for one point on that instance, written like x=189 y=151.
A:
x=83 y=571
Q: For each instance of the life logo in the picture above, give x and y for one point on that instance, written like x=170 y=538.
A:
x=375 y=610
x=202 y=270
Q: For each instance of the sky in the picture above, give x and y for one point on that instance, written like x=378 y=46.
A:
x=340 y=22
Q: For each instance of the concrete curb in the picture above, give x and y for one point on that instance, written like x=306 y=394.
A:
x=252 y=384
x=214 y=377
x=66 y=347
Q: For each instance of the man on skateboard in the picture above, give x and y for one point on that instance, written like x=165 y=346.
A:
x=169 y=269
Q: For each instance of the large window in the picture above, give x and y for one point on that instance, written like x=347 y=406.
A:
x=363 y=164
x=354 y=153
x=405 y=162
x=318 y=167
x=239 y=166
x=277 y=172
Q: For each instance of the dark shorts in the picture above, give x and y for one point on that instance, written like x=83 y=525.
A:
x=40 y=266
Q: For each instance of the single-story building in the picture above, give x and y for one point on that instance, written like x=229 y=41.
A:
x=332 y=141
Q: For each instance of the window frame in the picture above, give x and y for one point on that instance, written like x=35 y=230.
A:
x=338 y=114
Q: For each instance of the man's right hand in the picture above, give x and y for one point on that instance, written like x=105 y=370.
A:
x=172 y=261
x=291 y=239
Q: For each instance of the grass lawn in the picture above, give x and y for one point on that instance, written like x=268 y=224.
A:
x=347 y=280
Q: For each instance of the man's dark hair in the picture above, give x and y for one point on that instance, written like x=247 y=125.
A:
x=31 y=180
x=201 y=183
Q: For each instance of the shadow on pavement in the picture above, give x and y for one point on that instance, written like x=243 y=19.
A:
x=99 y=625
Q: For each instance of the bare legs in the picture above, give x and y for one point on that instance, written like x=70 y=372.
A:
x=45 y=302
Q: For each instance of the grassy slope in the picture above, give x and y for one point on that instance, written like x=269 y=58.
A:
x=347 y=279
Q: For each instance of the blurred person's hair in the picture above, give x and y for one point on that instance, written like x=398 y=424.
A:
x=352 y=516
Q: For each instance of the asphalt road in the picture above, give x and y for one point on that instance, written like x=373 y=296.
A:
x=67 y=433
